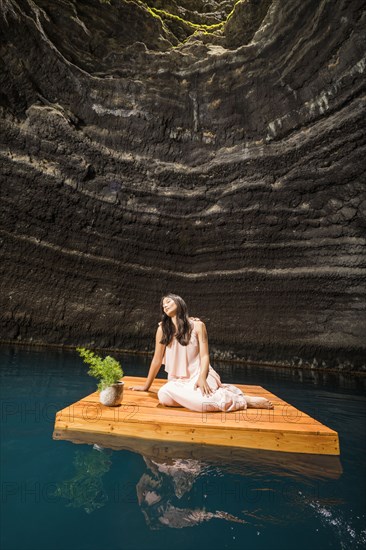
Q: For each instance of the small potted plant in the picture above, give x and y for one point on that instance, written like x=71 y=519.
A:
x=109 y=372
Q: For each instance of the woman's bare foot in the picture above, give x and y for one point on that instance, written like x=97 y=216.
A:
x=254 y=402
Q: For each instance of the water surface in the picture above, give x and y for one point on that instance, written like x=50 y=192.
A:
x=59 y=495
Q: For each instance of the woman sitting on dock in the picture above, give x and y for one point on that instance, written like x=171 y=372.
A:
x=181 y=344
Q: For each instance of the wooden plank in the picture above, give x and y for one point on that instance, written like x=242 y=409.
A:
x=146 y=401
x=94 y=411
x=140 y=415
x=152 y=394
x=158 y=383
x=289 y=413
x=131 y=412
x=250 y=438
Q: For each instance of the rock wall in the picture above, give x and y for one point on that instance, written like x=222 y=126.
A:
x=212 y=149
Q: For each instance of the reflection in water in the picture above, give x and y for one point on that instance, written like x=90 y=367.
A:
x=236 y=460
x=85 y=490
x=174 y=472
x=177 y=470
x=166 y=483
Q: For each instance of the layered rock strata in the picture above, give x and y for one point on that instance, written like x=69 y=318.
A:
x=213 y=149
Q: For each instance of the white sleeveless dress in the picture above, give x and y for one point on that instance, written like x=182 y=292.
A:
x=182 y=363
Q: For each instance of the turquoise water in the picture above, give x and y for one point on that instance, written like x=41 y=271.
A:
x=63 y=495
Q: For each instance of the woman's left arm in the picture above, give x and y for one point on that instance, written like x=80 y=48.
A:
x=204 y=359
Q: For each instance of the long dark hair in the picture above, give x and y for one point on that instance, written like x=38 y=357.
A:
x=184 y=329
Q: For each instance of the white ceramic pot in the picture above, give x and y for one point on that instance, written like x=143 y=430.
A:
x=112 y=395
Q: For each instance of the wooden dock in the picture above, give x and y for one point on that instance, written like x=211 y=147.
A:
x=141 y=416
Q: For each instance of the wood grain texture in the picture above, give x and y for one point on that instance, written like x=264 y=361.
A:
x=143 y=417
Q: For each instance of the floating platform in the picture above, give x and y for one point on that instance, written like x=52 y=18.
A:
x=141 y=416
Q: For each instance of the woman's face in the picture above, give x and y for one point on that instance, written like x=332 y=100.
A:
x=169 y=307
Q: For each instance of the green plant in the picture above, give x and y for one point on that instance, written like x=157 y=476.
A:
x=107 y=370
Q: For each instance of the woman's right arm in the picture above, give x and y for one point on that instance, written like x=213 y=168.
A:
x=155 y=363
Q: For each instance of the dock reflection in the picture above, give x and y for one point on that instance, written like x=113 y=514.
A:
x=231 y=459
x=174 y=470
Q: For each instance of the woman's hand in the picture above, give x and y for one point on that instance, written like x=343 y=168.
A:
x=137 y=388
x=204 y=387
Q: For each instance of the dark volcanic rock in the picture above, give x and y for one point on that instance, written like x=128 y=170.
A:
x=195 y=147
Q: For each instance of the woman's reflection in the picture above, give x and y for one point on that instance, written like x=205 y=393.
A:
x=159 y=491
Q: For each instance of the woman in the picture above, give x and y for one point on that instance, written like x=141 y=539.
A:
x=182 y=345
